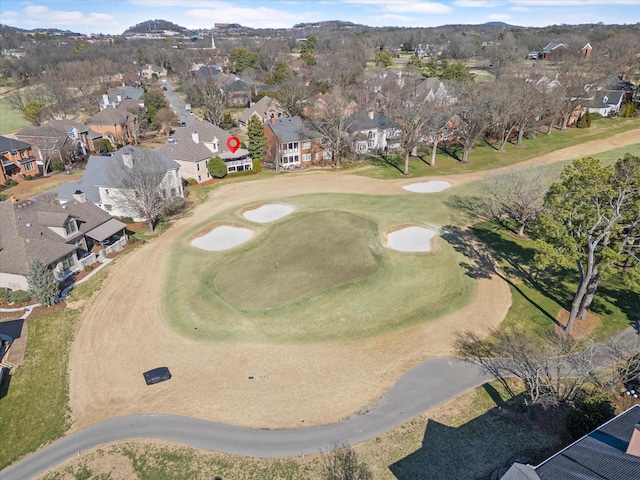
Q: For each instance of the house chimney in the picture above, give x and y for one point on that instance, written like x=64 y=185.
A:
x=105 y=99
x=634 y=444
x=79 y=196
x=371 y=113
x=119 y=98
x=273 y=120
x=195 y=137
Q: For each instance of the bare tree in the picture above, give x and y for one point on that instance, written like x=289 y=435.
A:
x=140 y=180
x=519 y=195
x=475 y=110
x=334 y=124
x=503 y=102
x=165 y=119
x=342 y=463
x=208 y=95
x=291 y=94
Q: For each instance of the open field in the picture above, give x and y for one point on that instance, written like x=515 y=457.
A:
x=12 y=120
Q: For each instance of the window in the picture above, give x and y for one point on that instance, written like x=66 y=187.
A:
x=306 y=157
x=173 y=192
x=107 y=207
x=198 y=165
x=67 y=262
x=71 y=227
x=306 y=145
x=28 y=166
x=106 y=191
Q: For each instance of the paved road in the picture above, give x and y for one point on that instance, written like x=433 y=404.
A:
x=177 y=104
x=419 y=389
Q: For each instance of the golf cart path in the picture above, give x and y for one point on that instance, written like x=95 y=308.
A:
x=421 y=388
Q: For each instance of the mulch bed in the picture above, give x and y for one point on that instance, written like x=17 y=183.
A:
x=581 y=328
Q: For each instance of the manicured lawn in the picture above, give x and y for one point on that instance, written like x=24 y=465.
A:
x=35 y=410
x=325 y=290
x=537 y=299
x=12 y=120
x=462 y=439
x=485 y=156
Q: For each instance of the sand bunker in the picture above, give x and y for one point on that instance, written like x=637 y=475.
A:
x=411 y=239
x=428 y=187
x=268 y=213
x=222 y=238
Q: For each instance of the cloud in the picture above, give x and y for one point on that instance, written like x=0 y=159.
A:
x=573 y=3
x=261 y=17
x=520 y=9
x=476 y=4
x=37 y=15
x=499 y=17
x=406 y=6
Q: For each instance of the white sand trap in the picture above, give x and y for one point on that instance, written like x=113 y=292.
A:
x=411 y=239
x=222 y=238
x=428 y=187
x=268 y=213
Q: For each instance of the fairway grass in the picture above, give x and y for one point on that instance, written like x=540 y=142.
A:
x=336 y=281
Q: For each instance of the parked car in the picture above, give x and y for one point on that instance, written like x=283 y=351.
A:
x=157 y=375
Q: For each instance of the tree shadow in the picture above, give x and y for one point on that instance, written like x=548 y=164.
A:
x=475 y=448
x=624 y=298
x=386 y=160
x=482 y=260
x=453 y=150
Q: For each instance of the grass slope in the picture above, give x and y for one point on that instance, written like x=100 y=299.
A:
x=12 y=120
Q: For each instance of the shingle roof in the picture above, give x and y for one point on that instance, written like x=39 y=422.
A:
x=97 y=174
x=23 y=236
x=600 y=455
x=261 y=107
x=109 y=116
x=293 y=129
x=185 y=149
x=11 y=145
x=361 y=121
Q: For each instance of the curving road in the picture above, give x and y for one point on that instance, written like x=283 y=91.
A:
x=420 y=388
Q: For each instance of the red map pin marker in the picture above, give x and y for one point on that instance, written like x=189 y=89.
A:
x=233 y=143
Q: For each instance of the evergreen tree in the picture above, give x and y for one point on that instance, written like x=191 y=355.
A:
x=42 y=284
x=257 y=139
x=217 y=168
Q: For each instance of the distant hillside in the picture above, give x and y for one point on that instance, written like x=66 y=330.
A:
x=6 y=30
x=153 y=26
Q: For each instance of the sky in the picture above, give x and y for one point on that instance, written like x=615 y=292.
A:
x=114 y=17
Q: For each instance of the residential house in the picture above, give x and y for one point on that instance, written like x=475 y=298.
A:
x=555 y=51
x=62 y=138
x=294 y=143
x=317 y=104
x=238 y=93
x=264 y=109
x=17 y=159
x=610 y=452
x=434 y=90
x=119 y=126
x=149 y=71
x=102 y=188
x=192 y=147
x=63 y=237
x=117 y=95
x=373 y=132
x=606 y=102
x=447 y=131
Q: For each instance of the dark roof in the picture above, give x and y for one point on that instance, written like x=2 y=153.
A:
x=11 y=145
x=600 y=455
x=236 y=86
x=293 y=129
x=25 y=232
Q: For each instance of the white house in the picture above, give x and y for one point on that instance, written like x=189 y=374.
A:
x=606 y=102
x=100 y=187
x=373 y=131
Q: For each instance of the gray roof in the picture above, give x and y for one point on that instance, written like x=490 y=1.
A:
x=600 y=455
x=261 y=108
x=53 y=128
x=97 y=174
x=293 y=129
x=613 y=97
x=360 y=121
x=109 y=116
x=25 y=234
x=11 y=145
x=185 y=149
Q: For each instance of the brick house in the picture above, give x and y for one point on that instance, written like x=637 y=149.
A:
x=17 y=159
x=265 y=109
x=119 y=126
x=294 y=143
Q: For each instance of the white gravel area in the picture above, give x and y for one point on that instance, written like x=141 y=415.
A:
x=431 y=186
x=411 y=239
x=222 y=238
x=268 y=213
